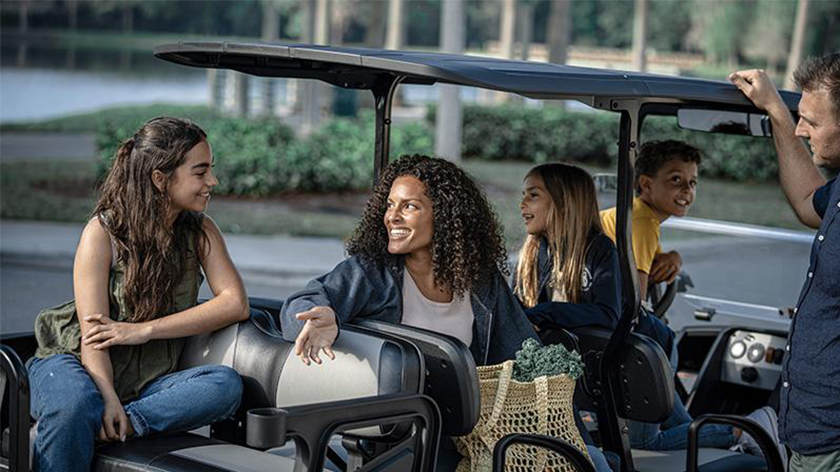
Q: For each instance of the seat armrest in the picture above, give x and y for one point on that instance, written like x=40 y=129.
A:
x=311 y=426
x=562 y=448
x=16 y=376
x=748 y=426
x=271 y=306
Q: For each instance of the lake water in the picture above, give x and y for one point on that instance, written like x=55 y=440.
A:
x=39 y=83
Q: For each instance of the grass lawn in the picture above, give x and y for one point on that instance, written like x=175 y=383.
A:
x=64 y=191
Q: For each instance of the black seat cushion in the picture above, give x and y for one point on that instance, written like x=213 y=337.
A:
x=184 y=452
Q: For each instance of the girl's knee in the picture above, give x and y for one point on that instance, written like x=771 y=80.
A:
x=74 y=408
x=228 y=386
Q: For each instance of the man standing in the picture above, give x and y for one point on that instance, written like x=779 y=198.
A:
x=809 y=408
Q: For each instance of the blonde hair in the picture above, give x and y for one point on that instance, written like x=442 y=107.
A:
x=572 y=217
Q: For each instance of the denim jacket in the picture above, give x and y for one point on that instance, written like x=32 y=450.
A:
x=600 y=302
x=358 y=288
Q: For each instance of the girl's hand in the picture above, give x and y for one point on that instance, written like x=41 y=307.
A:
x=318 y=334
x=115 y=423
x=107 y=332
x=665 y=267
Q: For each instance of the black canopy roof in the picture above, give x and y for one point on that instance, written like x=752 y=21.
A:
x=361 y=67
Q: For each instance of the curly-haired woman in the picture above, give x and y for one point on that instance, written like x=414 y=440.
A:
x=106 y=362
x=428 y=252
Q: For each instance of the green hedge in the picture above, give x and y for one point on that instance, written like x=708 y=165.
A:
x=514 y=132
x=262 y=156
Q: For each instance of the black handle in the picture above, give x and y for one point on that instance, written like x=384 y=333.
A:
x=18 y=379
x=564 y=449
x=748 y=426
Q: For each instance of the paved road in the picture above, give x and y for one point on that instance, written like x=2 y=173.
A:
x=759 y=272
x=765 y=274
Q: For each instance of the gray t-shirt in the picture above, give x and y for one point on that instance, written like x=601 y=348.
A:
x=454 y=318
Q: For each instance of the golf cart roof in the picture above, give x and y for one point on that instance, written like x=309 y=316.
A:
x=360 y=68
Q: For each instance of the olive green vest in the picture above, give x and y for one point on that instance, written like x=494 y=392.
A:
x=58 y=331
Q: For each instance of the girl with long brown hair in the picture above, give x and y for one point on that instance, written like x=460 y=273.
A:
x=105 y=368
x=568 y=273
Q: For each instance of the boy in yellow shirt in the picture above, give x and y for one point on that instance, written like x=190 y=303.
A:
x=666 y=183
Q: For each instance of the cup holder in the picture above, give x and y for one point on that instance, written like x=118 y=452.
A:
x=266 y=427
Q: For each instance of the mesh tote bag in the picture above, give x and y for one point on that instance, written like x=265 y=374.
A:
x=542 y=406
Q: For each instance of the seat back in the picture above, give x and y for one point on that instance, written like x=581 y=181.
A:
x=366 y=364
x=451 y=377
x=643 y=372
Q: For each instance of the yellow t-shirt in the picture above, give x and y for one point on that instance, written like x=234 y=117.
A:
x=645 y=233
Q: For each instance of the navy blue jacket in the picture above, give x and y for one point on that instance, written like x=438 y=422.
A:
x=600 y=302
x=357 y=288
x=809 y=403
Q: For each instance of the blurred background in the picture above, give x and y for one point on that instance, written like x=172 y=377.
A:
x=294 y=159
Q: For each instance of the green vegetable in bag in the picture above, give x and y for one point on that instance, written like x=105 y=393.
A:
x=533 y=361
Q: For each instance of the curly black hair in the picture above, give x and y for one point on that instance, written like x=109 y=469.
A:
x=655 y=154
x=467 y=241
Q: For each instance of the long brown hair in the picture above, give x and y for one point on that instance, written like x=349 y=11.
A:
x=134 y=211
x=572 y=218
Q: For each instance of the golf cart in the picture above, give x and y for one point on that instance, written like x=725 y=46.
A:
x=381 y=402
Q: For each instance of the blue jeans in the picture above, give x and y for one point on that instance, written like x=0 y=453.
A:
x=673 y=433
x=68 y=406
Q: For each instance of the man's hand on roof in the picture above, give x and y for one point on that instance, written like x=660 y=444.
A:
x=758 y=87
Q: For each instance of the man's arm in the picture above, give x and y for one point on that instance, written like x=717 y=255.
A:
x=797 y=172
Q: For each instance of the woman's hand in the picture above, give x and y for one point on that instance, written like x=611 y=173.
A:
x=107 y=332
x=115 y=423
x=666 y=266
x=318 y=334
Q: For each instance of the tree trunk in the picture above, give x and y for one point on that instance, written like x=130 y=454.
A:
x=241 y=82
x=448 y=127
x=640 y=26
x=307 y=93
x=23 y=17
x=798 y=43
x=322 y=22
x=72 y=14
x=128 y=18
x=270 y=33
x=508 y=28
x=395 y=38
x=559 y=31
x=338 y=22
x=526 y=29
x=270 y=21
x=375 y=34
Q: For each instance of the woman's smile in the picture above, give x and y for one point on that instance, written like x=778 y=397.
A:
x=408 y=218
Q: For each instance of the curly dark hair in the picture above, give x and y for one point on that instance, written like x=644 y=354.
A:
x=655 y=154
x=467 y=241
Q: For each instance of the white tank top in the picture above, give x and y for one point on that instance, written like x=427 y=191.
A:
x=454 y=318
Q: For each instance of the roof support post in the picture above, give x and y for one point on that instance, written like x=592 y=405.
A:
x=616 y=438
x=383 y=95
